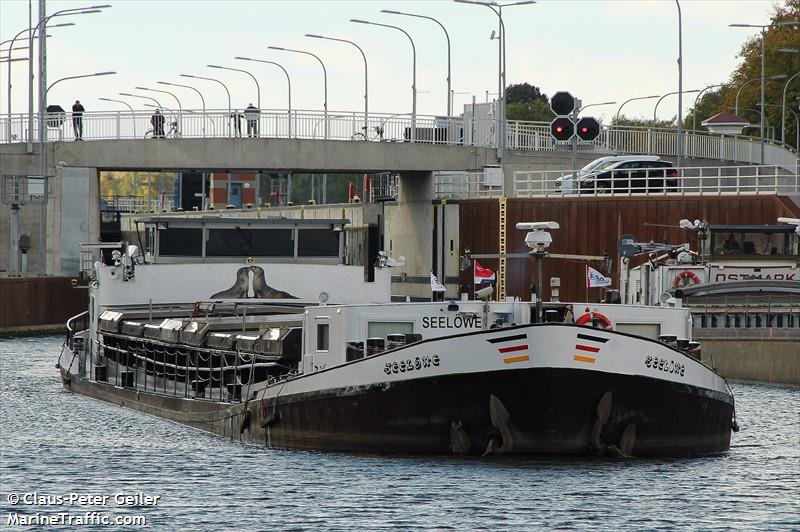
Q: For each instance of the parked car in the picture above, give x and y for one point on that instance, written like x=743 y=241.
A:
x=623 y=173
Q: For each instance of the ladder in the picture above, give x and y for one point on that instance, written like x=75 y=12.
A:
x=501 y=270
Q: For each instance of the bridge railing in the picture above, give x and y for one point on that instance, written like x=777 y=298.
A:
x=695 y=181
x=384 y=127
x=272 y=123
x=658 y=141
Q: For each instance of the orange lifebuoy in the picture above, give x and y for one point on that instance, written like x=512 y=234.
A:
x=590 y=316
x=685 y=278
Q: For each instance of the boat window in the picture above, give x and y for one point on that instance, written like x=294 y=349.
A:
x=317 y=243
x=648 y=330
x=749 y=243
x=381 y=329
x=238 y=242
x=180 y=242
x=323 y=340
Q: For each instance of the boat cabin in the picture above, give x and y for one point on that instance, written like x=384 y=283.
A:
x=222 y=239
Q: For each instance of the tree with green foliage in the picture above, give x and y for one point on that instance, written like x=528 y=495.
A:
x=524 y=93
x=526 y=102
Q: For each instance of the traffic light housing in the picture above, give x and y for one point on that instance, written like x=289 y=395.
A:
x=562 y=128
x=562 y=103
x=588 y=128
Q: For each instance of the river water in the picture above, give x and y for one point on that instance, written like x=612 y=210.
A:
x=56 y=443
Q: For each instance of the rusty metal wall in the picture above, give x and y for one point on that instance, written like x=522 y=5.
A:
x=592 y=226
x=34 y=301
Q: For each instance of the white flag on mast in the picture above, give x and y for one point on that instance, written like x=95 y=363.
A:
x=594 y=278
x=436 y=286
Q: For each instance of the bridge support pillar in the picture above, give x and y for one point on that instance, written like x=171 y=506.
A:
x=409 y=233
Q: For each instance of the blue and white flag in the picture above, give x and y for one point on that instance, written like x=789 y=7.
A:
x=595 y=278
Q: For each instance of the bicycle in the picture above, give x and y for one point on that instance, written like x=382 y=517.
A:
x=362 y=135
x=173 y=132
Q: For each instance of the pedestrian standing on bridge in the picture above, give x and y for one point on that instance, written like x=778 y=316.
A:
x=157 y=120
x=251 y=114
x=77 y=119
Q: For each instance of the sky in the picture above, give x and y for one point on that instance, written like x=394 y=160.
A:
x=598 y=50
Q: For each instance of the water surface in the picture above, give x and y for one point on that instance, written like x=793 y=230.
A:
x=55 y=442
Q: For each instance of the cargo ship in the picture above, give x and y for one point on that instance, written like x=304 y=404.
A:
x=258 y=331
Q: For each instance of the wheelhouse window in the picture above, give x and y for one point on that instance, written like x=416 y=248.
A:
x=323 y=336
x=180 y=242
x=317 y=243
x=236 y=242
x=744 y=244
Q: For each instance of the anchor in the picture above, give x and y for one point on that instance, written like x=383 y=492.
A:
x=459 y=439
x=627 y=439
x=498 y=413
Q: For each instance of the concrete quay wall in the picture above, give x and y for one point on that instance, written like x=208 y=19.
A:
x=763 y=355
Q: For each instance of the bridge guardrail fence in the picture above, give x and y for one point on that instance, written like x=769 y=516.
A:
x=384 y=127
x=701 y=180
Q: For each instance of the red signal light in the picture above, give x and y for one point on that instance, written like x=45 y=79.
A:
x=559 y=129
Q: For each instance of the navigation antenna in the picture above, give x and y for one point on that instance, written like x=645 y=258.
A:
x=538 y=239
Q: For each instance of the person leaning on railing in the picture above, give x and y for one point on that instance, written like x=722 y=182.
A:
x=251 y=115
x=77 y=119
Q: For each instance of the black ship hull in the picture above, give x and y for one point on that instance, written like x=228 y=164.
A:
x=522 y=411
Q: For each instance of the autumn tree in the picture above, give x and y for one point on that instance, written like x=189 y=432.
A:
x=777 y=62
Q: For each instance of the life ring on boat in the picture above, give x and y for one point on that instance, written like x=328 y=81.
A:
x=685 y=278
x=590 y=317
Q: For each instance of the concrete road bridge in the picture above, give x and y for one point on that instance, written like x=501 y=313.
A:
x=427 y=154
x=341 y=142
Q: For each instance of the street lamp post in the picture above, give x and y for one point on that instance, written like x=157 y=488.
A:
x=583 y=108
x=40 y=27
x=697 y=98
x=226 y=91
x=616 y=118
x=143 y=97
x=324 y=79
x=447 y=37
x=763 y=28
x=366 y=76
x=655 y=110
x=680 y=86
x=748 y=82
x=797 y=124
x=11 y=47
x=258 y=89
x=413 y=73
x=288 y=81
x=43 y=169
x=202 y=100
x=126 y=104
x=783 y=109
x=180 y=108
x=497 y=9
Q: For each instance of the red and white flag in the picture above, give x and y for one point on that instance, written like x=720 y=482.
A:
x=481 y=274
x=595 y=278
